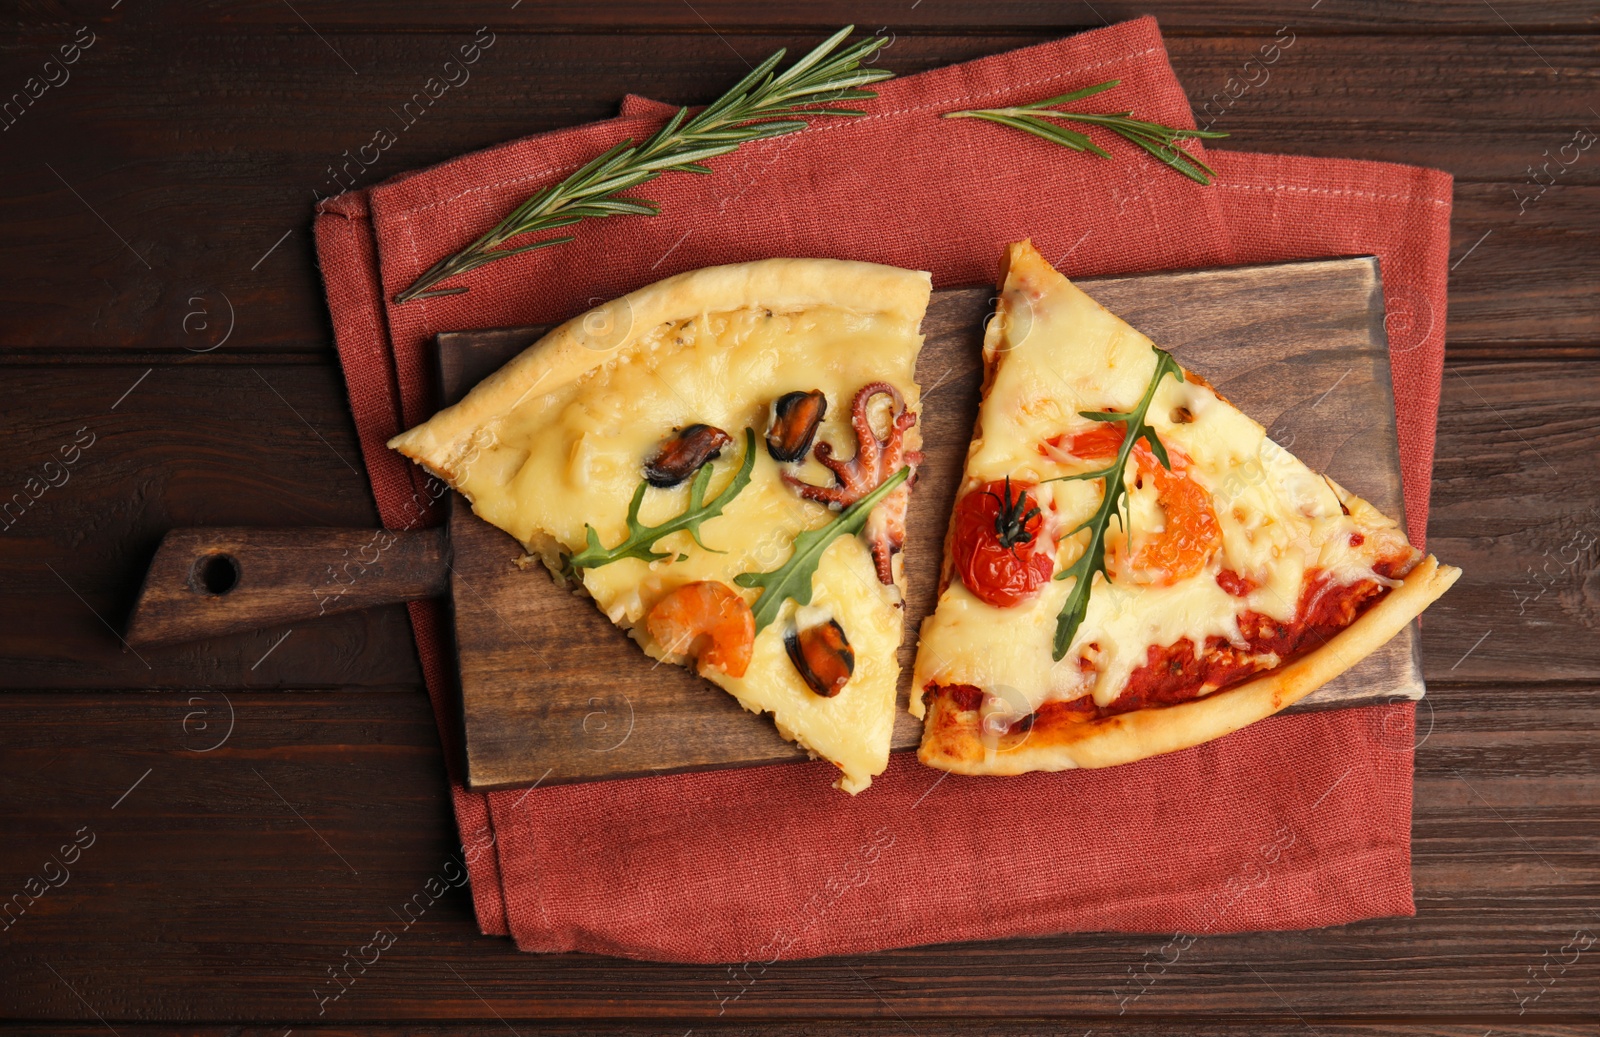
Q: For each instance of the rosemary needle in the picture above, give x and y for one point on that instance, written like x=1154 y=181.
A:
x=1038 y=118
x=765 y=103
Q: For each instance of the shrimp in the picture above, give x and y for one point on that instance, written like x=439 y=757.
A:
x=707 y=621
x=1190 y=534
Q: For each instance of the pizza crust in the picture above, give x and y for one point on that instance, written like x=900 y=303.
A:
x=595 y=338
x=954 y=741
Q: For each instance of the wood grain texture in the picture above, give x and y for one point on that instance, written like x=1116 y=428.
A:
x=208 y=896
x=553 y=692
x=491 y=1027
x=736 y=17
x=121 y=454
x=1480 y=107
x=1528 y=603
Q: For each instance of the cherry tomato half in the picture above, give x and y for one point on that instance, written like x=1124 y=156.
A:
x=999 y=551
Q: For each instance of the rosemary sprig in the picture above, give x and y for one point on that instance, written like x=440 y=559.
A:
x=1093 y=559
x=1158 y=140
x=763 y=104
x=641 y=539
x=792 y=579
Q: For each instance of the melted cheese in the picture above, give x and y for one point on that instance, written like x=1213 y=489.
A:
x=572 y=456
x=1056 y=352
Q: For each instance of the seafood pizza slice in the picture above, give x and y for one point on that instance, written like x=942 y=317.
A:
x=722 y=461
x=1132 y=566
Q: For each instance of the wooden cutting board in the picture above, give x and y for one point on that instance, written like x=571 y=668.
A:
x=551 y=692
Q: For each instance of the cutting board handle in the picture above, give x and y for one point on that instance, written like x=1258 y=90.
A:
x=205 y=582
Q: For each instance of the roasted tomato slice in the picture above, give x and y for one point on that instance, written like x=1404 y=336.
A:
x=999 y=551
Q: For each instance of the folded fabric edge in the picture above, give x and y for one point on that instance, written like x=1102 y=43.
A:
x=1435 y=186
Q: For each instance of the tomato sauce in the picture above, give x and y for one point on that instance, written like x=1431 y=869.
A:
x=1234 y=584
x=1177 y=673
x=962 y=696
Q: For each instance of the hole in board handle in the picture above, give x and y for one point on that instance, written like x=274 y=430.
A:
x=215 y=574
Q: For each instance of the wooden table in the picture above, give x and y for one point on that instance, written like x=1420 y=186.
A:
x=255 y=806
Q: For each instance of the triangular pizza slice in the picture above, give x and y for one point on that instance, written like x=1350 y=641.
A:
x=1133 y=566
x=722 y=461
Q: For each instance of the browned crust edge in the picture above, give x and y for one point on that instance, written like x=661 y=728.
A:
x=953 y=740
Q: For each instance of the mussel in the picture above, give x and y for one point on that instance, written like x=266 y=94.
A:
x=683 y=453
x=823 y=656
x=795 y=417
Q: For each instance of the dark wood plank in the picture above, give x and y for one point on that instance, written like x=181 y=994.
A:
x=732 y=16
x=107 y=459
x=1515 y=504
x=1353 y=97
x=937 y=1028
x=1300 y=345
x=1512 y=285
x=1482 y=107
x=206 y=898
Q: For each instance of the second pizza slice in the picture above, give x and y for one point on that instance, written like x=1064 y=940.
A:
x=1132 y=566
x=722 y=461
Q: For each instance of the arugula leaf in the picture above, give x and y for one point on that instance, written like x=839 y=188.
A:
x=1093 y=559
x=641 y=539
x=793 y=578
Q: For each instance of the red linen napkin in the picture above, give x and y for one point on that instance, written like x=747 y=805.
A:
x=1294 y=822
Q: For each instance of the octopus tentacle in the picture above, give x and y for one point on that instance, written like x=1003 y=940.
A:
x=867 y=453
x=883 y=560
x=875 y=460
x=840 y=468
